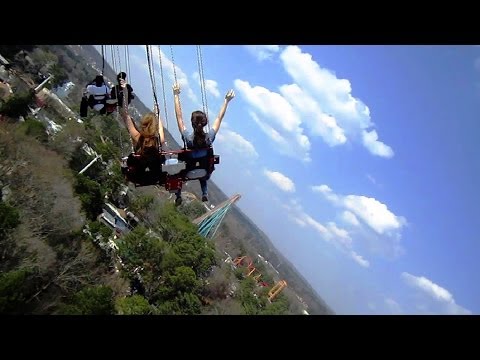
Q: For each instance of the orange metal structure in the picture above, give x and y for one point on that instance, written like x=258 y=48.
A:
x=276 y=289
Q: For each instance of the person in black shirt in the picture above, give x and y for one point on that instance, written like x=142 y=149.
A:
x=117 y=90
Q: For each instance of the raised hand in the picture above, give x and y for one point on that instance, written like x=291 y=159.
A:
x=176 y=89
x=230 y=95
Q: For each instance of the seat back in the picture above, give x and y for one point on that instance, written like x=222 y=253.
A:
x=194 y=165
x=144 y=170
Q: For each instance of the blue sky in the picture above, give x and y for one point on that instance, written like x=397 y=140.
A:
x=359 y=162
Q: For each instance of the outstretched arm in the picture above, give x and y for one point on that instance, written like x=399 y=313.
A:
x=178 y=109
x=126 y=118
x=129 y=124
x=160 y=125
x=218 y=121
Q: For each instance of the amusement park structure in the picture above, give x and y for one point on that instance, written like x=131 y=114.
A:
x=208 y=225
x=250 y=269
x=209 y=222
x=276 y=289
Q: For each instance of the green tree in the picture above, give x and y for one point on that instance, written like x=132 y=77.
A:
x=182 y=304
x=99 y=228
x=239 y=273
x=141 y=248
x=189 y=304
x=183 y=280
x=279 y=306
x=133 y=305
x=66 y=142
x=112 y=179
x=97 y=300
x=15 y=288
x=119 y=137
x=193 y=209
x=90 y=195
x=108 y=150
x=169 y=307
x=60 y=77
x=142 y=254
x=174 y=226
x=250 y=302
x=17 y=105
x=171 y=260
x=9 y=219
x=34 y=128
x=43 y=56
x=141 y=204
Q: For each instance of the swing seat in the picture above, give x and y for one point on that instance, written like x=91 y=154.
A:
x=173 y=166
x=196 y=174
x=205 y=163
x=144 y=170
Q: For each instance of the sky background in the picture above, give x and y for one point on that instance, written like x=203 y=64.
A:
x=365 y=158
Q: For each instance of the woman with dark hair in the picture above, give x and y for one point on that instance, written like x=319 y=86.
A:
x=198 y=140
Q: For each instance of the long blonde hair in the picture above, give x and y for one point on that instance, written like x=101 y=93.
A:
x=148 y=131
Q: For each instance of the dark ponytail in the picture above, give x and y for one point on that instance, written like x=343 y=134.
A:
x=199 y=120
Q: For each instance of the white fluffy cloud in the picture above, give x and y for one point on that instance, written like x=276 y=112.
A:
x=370 y=140
x=318 y=102
x=211 y=86
x=278 y=119
x=236 y=144
x=441 y=295
x=338 y=113
x=350 y=218
x=385 y=224
x=330 y=232
x=281 y=181
x=263 y=52
x=359 y=259
x=319 y=123
x=270 y=131
x=342 y=235
x=322 y=230
x=326 y=191
x=374 y=213
x=429 y=287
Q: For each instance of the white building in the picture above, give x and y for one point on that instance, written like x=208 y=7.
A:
x=63 y=91
x=111 y=216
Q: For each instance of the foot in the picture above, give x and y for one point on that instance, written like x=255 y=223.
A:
x=178 y=201
x=204 y=198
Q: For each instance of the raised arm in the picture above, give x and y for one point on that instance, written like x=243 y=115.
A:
x=178 y=109
x=161 y=132
x=218 y=121
x=127 y=118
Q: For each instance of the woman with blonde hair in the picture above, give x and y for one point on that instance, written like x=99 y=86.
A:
x=147 y=142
